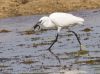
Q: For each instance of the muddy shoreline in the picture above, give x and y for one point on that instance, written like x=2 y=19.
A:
x=11 y=8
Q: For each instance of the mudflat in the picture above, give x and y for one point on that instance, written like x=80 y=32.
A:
x=10 y=8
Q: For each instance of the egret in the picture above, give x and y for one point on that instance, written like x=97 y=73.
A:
x=59 y=20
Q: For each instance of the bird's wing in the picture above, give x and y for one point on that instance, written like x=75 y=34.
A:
x=64 y=19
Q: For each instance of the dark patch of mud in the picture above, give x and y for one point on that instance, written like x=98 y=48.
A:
x=89 y=62
x=4 y=31
x=87 y=30
x=40 y=44
x=28 y=32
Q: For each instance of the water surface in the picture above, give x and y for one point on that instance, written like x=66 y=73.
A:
x=23 y=52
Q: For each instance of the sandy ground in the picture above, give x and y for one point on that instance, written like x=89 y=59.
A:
x=10 y=8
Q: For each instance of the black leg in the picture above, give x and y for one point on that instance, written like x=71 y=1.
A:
x=52 y=45
x=53 y=42
x=77 y=38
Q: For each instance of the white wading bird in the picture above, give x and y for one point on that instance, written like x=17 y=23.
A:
x=60 y=20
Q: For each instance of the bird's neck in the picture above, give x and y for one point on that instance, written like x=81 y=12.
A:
x=49 y=23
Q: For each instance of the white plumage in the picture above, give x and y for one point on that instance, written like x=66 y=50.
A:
x=60 y=19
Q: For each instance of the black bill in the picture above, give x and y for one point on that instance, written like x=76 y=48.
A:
x=37 y=26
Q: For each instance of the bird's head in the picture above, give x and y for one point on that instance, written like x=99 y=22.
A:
x=40 y=22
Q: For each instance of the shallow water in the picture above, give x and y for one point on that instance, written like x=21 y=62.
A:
x=22 y=51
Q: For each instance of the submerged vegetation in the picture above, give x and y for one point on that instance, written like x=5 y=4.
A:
x=87 y=30
x=28 y=61
x=4 y=31
x=10 y=8
x=27 y=32
x=40 y=44
x=89 y=62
